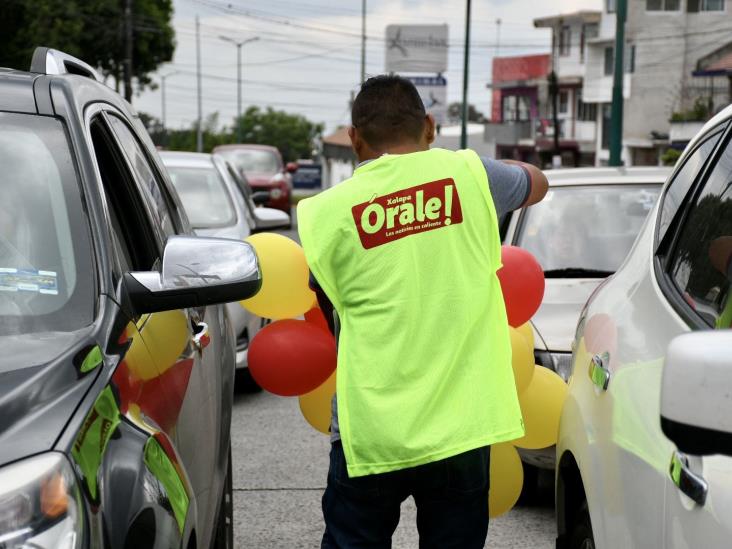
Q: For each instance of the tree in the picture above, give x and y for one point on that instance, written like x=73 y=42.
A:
x=455 y=113
x=92 y=30
x=292 y=134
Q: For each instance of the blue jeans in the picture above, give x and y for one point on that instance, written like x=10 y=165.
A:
x=451 y=497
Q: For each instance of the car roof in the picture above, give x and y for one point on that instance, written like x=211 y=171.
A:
x=181 y=159
x=608 y=176
x=16 y=91
x=235 y=146
x=722 y=116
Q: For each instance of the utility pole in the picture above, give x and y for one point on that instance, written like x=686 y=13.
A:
x=238 y=78
x=128 y=50
x=363 y=41
x=616 y=111
x=466 y=65
x=498 y=36
x=199 y=124
x=162 y=90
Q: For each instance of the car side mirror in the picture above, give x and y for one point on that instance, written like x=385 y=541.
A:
x=266 y=219
x=260 y=197
x=196 y=271
x=696 y=393
x=291 y=167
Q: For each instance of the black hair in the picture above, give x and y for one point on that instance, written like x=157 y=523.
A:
x=388 y=110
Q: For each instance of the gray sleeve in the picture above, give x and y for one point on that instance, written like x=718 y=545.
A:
x=509 y=184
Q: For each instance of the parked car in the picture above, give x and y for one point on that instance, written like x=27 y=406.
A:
x=117 y=364
x=216 y=207
x=644 y=442
x=580 y=234
x=263 y=167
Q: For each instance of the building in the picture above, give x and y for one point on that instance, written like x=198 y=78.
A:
x=677 y=59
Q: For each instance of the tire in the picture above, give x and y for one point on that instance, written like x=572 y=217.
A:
x=224 y=537
x=245 y=383
x=530 y=489
x=580 y=532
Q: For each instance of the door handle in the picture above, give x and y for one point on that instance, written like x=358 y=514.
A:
x=690 y=484
x=599 y=370
x=201 y=337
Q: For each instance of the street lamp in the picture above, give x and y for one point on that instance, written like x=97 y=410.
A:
x=162 y=90
x=238 y=78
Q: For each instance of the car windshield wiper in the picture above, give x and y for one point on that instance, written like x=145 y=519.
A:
x=577 y=272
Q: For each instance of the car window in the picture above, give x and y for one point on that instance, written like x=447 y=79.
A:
x=47 y=278
x=681 y=183
x=204 y=196
x=700 y=265
x=253 y=160
x=144 y=173
x=576 y=230
x=130 y=227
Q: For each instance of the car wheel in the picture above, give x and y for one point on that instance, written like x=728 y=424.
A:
x=245 y=383
x=225 y=522
x=530 y=488
x=580 y=534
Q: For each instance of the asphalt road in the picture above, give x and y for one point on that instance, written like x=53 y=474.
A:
x=280 y=468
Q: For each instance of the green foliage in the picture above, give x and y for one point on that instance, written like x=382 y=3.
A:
x=670 y=157
x=92 y=30
x=700 y=112
x=455 y=113
x=292 y=134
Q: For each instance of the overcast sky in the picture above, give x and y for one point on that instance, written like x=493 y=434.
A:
x=307 y=58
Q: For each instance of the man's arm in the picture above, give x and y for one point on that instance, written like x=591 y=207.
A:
x=537 y=181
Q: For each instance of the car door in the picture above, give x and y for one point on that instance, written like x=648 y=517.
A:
x=618 y=364
x=188 y=348
x=696 y=279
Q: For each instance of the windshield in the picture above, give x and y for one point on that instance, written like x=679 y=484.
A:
x=586 y=231
x=204 y=196
x=253 y=161
x=46 y=269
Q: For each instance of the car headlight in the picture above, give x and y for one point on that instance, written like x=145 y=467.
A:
x=40 y=504
x=561 y=363
x=275 y=193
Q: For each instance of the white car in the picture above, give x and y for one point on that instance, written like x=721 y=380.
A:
x=580 y=234
x=644 y=441
x=215 y=206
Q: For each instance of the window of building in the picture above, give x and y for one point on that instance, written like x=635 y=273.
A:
x=610 y=6
x=516 y=108
x=630 y=58
x=609 y=60
x=663 y=5
x=563 y=101
x=565 y=37
x=700 y=266
x=586 y=112
x=694 y=6
x=606 y=111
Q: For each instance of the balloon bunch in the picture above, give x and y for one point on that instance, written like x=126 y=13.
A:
x=298 y=357
x=541 y=391
x=288 y=357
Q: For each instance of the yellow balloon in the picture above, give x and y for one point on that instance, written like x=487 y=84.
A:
x=541 y=405
x=285 y=292
x=315 y=405
x=166 y=335
x=507 y=478
x=522 y=360
x=527 y=331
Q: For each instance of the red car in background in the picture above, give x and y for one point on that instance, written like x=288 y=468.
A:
x=263 y=168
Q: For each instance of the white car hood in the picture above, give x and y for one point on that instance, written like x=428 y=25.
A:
x=556 y=319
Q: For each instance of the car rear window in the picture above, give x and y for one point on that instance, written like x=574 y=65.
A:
x=255 y=161
x=204 y=196
x=585 y=229
x=46 y=269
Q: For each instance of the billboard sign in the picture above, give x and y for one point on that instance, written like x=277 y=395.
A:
x=433 y=91
x=416 y=48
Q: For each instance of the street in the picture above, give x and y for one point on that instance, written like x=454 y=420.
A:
x=280 y=467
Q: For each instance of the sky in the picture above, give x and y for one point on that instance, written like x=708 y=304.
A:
x=307 y=56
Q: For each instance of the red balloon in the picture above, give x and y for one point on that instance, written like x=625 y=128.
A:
x=316 y=317
x=291 y=357
x=522 y=283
